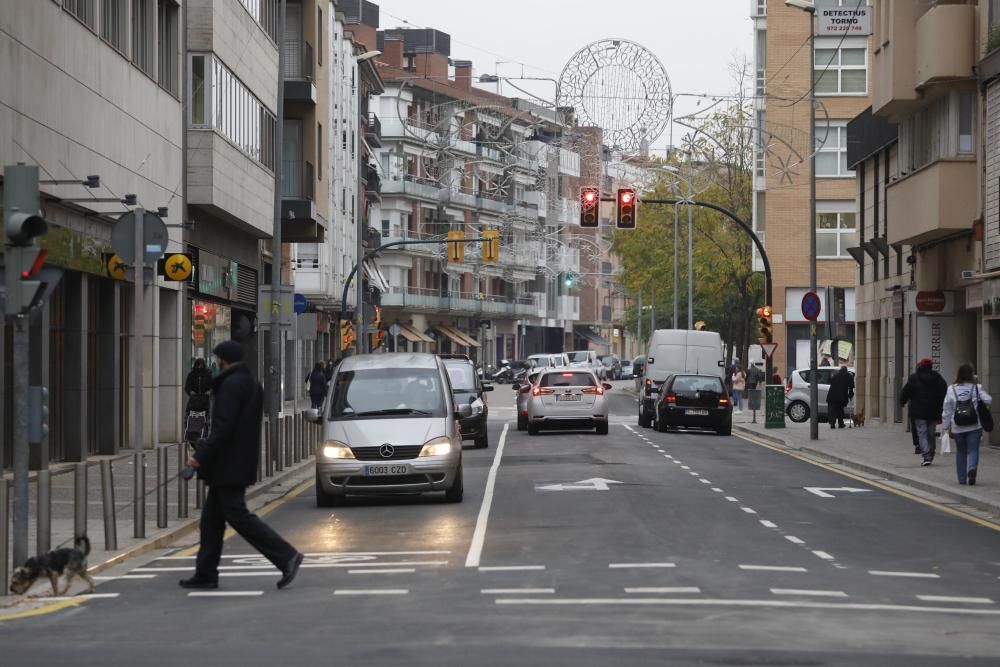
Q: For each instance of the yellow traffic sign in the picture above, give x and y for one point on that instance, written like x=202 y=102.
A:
x=491 y=245
x=176 y=267
x=114 y=265
x=456 y=247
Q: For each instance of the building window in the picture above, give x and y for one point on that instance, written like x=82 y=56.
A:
x=836 y=229
x=841 y=70
x=113 y=28
x=167 y=44
x=831 y=149
x=994 y=12
x=265 y=12
x=81 y=9
x=761 y=157
x=410 y=62
x=143 y=39
x=320 y=28
x=759 y=217
x=830 y=4
x=319 y=151
x=943 y=129
x=230 y=109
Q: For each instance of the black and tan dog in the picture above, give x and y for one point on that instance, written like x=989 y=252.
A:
x=54 y=564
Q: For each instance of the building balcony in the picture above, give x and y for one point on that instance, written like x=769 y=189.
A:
x=420 y=299
x=414 y=186
x=945 y=45
x=373 y=183
x=373 y=131
x=300 y=87
x=933 y=202
x=301 y=223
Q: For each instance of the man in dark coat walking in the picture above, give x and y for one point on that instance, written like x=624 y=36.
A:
x=925 y=392
x=317 y=385
x=840 y=394
x=226 y=461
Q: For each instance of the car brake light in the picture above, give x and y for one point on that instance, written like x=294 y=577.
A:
x=671 y=398
x=537 y=391
x=723 y=401
x=567 y=375
x=593 y=390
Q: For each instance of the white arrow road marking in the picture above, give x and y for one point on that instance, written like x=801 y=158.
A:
x=593 y=484
x=822 y=491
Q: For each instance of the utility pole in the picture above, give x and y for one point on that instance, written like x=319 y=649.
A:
x=638 y=321
x=274 y=369
x=690 y=194
x=813 y=361
x=138 y=363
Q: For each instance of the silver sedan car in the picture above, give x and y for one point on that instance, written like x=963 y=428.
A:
x=568 y=399
x=523 y=394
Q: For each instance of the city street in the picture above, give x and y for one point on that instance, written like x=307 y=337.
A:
x=570 y=548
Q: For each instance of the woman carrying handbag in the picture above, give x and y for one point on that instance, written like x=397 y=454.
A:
x=966 y=415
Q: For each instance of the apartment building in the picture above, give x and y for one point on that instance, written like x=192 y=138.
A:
x=919 y=154
x=458 y=158
x=783 y=167
x=94 y=87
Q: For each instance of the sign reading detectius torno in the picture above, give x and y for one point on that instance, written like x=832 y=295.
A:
x=838 y=21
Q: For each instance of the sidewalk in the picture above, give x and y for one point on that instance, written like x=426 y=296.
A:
x=887 y=450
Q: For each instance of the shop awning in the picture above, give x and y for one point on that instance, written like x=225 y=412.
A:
x=412 y=335
x=457 y=336
x=375 y=278
x=590 y=335
x=469 y=340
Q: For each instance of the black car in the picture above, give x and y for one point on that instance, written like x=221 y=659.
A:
x=614 y=366
x=468 y=387
x=693 y=401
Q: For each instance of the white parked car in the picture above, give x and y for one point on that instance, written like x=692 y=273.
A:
x=568 y=399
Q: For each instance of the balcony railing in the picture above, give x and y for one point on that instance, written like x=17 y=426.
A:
x=302 y=67
x=297 y=179
x=373 y=130
x=435 y=299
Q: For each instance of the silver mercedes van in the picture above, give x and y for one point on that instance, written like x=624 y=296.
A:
x=390 y=426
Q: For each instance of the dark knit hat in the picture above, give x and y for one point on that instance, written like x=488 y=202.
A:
x=229 y=351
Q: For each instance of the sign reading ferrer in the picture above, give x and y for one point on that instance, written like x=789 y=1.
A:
x=838 y=21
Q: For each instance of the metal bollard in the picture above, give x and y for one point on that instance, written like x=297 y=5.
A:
x=261 y=453
x=4 y=535
x=297 y=449
x=43 y=536
x=162 y=461
x=286 y=423
x=80 y=499
x=268 y=453
x=182 y=484
x=108 y=506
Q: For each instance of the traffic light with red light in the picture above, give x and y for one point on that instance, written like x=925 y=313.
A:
x=765 y=329
x=590 y=205
x=625 y=209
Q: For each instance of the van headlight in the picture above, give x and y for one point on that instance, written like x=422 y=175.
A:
x=436 y=447
x=336 y=450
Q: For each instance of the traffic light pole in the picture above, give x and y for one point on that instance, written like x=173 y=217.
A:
x=375 y=251
x=768 y=283
x=138 y=362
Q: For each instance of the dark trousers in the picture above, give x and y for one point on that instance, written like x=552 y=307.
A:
x=836 y=411
x=227 y=504
x=317 y=400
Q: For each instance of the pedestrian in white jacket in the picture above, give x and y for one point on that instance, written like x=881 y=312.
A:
x=962 y=395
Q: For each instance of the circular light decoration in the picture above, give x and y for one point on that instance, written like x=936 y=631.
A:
x=621 y=87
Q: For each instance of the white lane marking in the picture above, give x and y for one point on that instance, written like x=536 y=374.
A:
x=822 y=554
x=668 y=456
x=768 y=524
x=270 y=569
x=915 y=575
x=748 y=510
x=324 y=554
x=717 y=489
x=951 y=598
x=773 y=568
x=479 y=535
x=83 y=596
x=665 y=591
x=224 y=594
x=371 y=591
x=511 y=568
x=125 y=576
x=794 y=540
x=685 y=467
x=732 y=500
x=398 y=570
x=704 y=481
x=515 y=591
x=708 y=602
x=628 y=427
x=693 y=473
x=808 y=593
x=623 y=566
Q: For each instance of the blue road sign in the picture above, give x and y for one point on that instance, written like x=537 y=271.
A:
x=300 y=304
x=811 y=306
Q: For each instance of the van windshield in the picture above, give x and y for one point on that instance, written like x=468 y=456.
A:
x=579 y=357
x=381 y=393
x=462 y=376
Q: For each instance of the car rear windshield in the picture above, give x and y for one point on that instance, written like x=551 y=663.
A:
x=608 y=359
x=577 y=357
x=698 y=383
x=462 y=376
x=388 y=392
x=567 y=380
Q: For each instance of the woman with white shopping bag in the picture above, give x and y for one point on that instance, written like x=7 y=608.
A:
x=962 y=418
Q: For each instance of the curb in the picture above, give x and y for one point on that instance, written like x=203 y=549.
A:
x=861 y=466
x=170 y=534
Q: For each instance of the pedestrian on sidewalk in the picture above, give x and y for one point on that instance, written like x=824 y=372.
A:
x=317 y=385
x=328 y=371
x=739 y=386
x=924 y=391
x=197 y=386
x=226 y=461
x=960 y=417
x=840 y=394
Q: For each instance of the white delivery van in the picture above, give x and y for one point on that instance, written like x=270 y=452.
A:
x=673 y=351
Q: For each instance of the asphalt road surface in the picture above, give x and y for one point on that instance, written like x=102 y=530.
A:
x=635 y=548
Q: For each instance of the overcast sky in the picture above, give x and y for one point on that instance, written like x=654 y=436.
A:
x=695 y=39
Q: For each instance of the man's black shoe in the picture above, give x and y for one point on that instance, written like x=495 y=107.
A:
x=972 y=477
x=199 y=583
x=917 y=450
x=291 y=571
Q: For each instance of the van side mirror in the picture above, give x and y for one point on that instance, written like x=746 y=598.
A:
x=464 y=411
x=313 y=417
x=487 y=387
